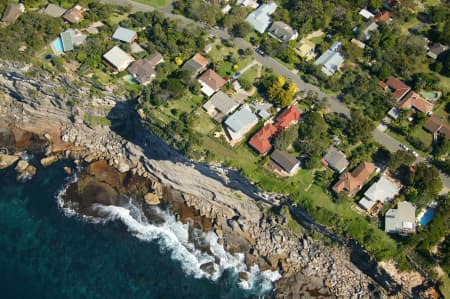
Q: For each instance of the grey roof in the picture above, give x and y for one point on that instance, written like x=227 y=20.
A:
x=12 y=12
x=366 y=203
x=221 y=102
x=144 y=70
x=331 y=60
x=336 y=159
x=118 y=58
x=54 y=10
x=284 y=160
x=370 y=28
x=124 y=34
x=402 y=219
x=260 y=18
x=67 y=41
x=436 y=50
x=282 y=31
x=241 y=119
x=383 y=190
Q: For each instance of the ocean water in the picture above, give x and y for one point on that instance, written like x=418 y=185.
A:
x=46 y=253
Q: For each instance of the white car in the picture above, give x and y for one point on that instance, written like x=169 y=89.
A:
x=415 y=154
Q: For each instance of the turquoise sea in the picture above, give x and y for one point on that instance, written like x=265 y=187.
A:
x=47 y=254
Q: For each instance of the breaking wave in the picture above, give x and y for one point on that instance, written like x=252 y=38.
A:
x=173 y=236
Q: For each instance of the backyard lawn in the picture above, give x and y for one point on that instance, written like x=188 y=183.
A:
x=155 y=3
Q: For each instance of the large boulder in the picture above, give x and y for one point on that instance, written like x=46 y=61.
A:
x=47 y=161
x=7 y=160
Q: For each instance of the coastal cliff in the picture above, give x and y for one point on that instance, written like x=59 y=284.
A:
x=240 y=215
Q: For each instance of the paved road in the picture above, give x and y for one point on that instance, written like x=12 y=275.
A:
x=393 y=145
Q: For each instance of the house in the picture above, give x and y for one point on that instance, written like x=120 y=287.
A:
x=260 y=19
x=367 y=15
x=67 y=42
x=239 y=123
x=144 y=70
x=288 y=117
x=437 y=126
x=220 y=105
x=385 y=189
x=401 y=220
x=331 y=60
x=71 y=38
x=12 y=12
x=436 y=50
x=211 y=82
x=196 y=65
x=383 y=16
x=54 y=10
x=305 y=49
x=248 y=3
x=397 y=87
x=284 y=162
x=282 y=32
x=358 y=43
x=118 y=58
x=335 y=160
x=414 y=100
x=74 y=15
x=125 y=35
x=352 y=182
x=366 y=33
x=260 y=142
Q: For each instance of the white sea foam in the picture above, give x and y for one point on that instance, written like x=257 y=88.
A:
x=173 y=236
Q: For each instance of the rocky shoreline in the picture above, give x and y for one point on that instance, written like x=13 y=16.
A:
x=240 y=215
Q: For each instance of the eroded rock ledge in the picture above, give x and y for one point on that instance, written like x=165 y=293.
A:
x=308 y=267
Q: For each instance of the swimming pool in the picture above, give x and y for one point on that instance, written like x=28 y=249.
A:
x=430 y=95
x=57 y=45
x=426 y=217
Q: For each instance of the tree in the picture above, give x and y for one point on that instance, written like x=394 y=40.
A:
x=425 y=179
x=286 y=138
x=241 y=29
x=441 y=146
x=401 y=158
x=374 y=4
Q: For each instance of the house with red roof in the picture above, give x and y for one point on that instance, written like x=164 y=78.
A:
x=397 y=87
x=414 y=100
x=261 y=141
x=288 y=117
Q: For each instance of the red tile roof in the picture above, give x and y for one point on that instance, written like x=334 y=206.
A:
x=353 y=181
x=382 y=17
x=397 y=87
x=212 y=79
x=288 y=116
x=200 y=59
x=414 y=100
x=261 y=140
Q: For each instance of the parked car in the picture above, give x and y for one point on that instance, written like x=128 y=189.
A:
x=260 y=51
x=415 y=154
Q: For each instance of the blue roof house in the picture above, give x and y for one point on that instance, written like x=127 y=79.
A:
x=239 y=123
x=125 y=35
x=331 y=60
x=259 y=19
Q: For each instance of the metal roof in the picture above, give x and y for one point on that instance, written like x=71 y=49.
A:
x=118 y=58
x=66 y=38
x=260 y=18
x=383 y=190
x=124 y=34
x=221 y=102
x=284 y=160
x=241 y=119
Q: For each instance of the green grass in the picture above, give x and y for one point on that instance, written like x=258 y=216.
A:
x=402 y=139
x=96 y=121
x=440 y=112
x=251 y=74
x=204 y=124
x=444 y=287
x=225 y=67
x=155 y=3
x=318 y=40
